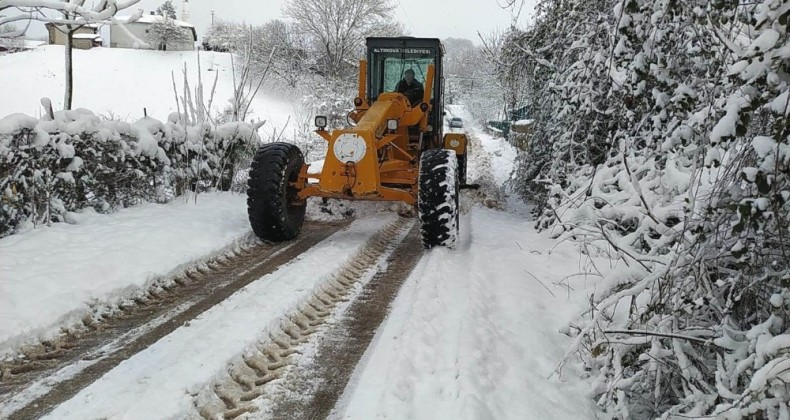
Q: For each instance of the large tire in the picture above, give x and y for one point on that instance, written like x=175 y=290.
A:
x=275 y=214
x=437 y=204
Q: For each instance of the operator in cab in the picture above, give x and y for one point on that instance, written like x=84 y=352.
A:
x=410 y=87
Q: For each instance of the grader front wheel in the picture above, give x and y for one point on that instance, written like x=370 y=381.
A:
x=274 y=211
x=437 y=202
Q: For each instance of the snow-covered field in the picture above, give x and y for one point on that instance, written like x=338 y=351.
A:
x=119 y=83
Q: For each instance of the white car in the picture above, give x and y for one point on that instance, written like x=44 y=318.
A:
x=456 y=122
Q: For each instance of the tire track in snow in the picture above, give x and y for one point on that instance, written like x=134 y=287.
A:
x=56 y=370
x=265 y=375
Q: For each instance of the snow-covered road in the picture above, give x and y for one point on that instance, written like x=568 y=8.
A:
x=158 y=382
x=474 y=332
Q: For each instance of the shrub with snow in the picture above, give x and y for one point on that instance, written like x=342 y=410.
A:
x=663 y=141
x=76 y=160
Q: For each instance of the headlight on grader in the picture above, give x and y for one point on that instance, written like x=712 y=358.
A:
x=320 y=122
x=392 y=125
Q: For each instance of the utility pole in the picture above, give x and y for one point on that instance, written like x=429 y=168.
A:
x=212 y=18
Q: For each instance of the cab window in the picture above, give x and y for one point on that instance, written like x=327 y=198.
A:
x=390 y=64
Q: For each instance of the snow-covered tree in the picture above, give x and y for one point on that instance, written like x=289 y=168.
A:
x=225 y=36
x=662 y=140
x=291 y=51
x=11 y=44
x=167 y=9
x=471 y=79
x=166 y=31
x=67 y=16
x=279 y=48
x=338 y=29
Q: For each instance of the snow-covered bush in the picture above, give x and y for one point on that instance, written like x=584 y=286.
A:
x=279 y=49
x=165 y=31
x=330 y=97
x=662 y=140
x=225 y=36
x=77 y=160
x=303 y=135
x=12 y=44
x=470 y=79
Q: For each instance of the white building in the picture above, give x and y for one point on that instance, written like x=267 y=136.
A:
x=120 y=38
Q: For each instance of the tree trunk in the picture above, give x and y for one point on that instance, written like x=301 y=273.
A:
x=69 y=68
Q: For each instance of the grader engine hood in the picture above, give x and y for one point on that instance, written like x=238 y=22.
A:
x=351 y=167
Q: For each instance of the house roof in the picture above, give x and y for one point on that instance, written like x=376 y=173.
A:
x=154 y=19
x=150 y=19
x=34 y=44
x=87 y=36
x=90 y=25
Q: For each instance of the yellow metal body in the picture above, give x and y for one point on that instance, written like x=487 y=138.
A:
x=389 y=168
x=456 y=142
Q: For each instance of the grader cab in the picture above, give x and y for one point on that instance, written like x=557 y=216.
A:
x=393 y=150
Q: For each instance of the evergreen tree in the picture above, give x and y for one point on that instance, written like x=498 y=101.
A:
x=165 y=31
x=167 y=9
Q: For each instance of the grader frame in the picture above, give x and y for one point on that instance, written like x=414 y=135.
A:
x=383 y=156
x=389 y=169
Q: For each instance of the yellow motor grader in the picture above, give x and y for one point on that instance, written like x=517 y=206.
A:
x=394 y=150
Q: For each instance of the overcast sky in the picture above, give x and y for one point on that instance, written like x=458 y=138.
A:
x=429 y=18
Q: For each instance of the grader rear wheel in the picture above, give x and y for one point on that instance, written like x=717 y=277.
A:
x=275 y=212
x=437 y=203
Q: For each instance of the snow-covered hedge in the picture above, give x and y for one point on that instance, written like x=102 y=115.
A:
x=662 y=140
x=50 y=167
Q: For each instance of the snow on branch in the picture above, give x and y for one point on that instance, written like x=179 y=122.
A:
x=71 y=13
x=541 y=61
x=678 y=172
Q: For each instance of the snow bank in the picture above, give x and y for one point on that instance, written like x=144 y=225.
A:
x=53 y=275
